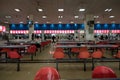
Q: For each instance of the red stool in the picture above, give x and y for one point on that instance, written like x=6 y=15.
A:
x=47 y=73
x=103 y=72
x=96 y=56
x=14 y=55
x=84 y=55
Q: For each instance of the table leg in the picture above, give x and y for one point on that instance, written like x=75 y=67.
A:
x=6 y=57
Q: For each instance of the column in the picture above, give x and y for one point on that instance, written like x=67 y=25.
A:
x=89 y=27
x=42 y=35
x=8 y=32
x=31 y=27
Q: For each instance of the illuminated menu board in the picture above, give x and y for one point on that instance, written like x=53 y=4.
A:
x=61 y=28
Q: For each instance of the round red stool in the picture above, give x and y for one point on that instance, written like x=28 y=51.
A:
x=47 y=73
x=103 y=72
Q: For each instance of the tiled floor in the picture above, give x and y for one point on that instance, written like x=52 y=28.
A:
x=66 y=70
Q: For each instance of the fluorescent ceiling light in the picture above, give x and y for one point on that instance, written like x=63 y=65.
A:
x=44 y=16
x=7 y=16
x=60 y=16
x=17 y=10
x=61 y=10
x=40 y=10
x=81 y=9
x=76 y=16
x=6 y=22
x=111 y=16
x=98 y=22
x=71 y=22
x=113 y=22
x=36 y=22
x=47 y=22
x=108 y=10
x=59 y=22
x=96 y=16
x=21 y=22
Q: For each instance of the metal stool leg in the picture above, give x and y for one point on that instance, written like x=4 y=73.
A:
x=57 y=64
x=92 y=63
x=84 y=64
x=119 y=64
x=32 y=57
x=18 y=64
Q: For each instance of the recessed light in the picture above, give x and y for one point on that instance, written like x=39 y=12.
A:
x=111 y=16
x=61 y=10
x=28 y=17
x=44 y=16
x=81 y=10
x=76 y=16
x=40 y=10
x=17 y=10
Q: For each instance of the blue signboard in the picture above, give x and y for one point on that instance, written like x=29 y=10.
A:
x=64 y=27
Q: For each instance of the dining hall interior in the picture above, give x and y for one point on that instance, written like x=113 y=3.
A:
x=59 y=40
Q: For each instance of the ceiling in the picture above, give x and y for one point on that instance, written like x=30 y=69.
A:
x=50 y=9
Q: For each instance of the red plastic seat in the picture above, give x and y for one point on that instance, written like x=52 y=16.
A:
x=32 y=50
x=97 y=54
x=75 y=50
x=59 y=49
x=5 y=50
x=103 y=72
x=117 y=55
x=84 y=55
x=13 y=55
x=47 y=73
x=58 y=55
x=83 y=49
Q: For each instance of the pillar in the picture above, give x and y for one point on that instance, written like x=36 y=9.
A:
x=89 y=27
x=42 y=35
x=31 y=27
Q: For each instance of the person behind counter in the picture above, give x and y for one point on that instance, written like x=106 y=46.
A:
x=53 y=39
